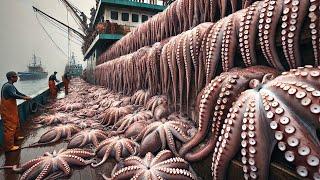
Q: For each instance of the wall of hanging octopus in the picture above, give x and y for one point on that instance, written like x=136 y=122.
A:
x=203 y=82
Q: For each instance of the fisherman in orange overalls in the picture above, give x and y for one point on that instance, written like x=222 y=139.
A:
x=52 y=85
x=9 y=111
x=66 y=81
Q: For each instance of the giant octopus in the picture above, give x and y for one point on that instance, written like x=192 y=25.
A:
x=214 y=102
x=283 y=111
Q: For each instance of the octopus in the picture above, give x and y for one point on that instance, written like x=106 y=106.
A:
x=155 y=101
x=282 y=112
x=85 y=137
x=113 y=114
x=140 y=97
x=117 y=147
x=135 y=129
x=165 y=134
x=215 y=100
x=162 y=166
x=53 y=165
x=52 y=119
x=124 y=123
x=71 y=107
x=56 y=133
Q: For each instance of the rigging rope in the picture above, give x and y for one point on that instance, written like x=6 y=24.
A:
x=50 y=36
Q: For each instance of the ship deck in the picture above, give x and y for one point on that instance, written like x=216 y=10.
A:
x=32 y=134
x=278 y=169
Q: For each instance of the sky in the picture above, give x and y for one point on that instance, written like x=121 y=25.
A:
x=21 y=35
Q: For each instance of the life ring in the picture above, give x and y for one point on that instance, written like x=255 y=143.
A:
x=33 y=106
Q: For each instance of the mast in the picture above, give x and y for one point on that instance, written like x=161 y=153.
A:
x=34 y=60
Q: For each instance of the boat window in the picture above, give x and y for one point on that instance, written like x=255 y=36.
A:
x=125 y=17
x=114 y=15
x=144 y=18
x=135 y=18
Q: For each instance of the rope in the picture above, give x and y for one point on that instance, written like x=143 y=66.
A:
x=50 y=37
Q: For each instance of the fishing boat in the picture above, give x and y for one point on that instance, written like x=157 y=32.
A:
x=72 y=68
x=35 y=70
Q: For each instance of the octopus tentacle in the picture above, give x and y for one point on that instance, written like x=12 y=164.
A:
x=223 y=7
x=205 y=106
x=294 y=11
x=187 y=65
x=247 y=34
x=63 y=165
x=31 y=170
x=181 y=72
x=213 y=48
x=74 y=160
x=118 y=149
x=269 y=17
x=174 y=72
x=213 y=9
x=202 y=57
x=257 y=143
x=105 y=157
x=288 y=133
x=314 y=26
x=170 y=141
x=45 y=171
x=229 y=141
x=229 y=43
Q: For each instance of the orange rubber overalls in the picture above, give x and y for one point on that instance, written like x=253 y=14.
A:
x=66 y=82
x=10 y=118
x=53 y=89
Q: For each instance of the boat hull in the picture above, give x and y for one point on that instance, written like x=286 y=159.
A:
x=32 y=75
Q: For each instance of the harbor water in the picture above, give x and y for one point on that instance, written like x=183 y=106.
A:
x=30 y=88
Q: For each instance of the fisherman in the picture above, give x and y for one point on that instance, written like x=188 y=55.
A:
x=52 y=85
x=9 y=111
x=66 y=80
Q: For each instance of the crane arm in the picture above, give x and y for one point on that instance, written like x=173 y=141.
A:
x=82 y=36
x=80 y=16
